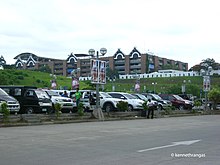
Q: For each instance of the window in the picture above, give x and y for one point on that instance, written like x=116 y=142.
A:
x=17 y=92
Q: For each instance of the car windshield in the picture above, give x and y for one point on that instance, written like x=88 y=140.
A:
x=105 y=95
x=142 y=97
x=42 y=94
x=157 y=97
x=128 y=96
x=2 y=92
x=52 y=93
x=178 y=97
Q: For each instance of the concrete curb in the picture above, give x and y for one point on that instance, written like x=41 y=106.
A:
x=77 y=120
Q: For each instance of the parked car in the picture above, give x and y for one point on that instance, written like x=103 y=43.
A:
x=107 y=102
x=161 y=103
x=177 y=101
x=12 y=103
x=84 y=99
x=66 y=103
x=31 y=99
x=145 y=98
x=133 y=102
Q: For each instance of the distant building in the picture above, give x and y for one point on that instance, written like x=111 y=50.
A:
x=132 y=63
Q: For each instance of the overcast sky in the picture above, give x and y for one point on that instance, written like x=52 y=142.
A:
x=184 y=30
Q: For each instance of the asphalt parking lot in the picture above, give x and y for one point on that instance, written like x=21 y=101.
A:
x=157 y=141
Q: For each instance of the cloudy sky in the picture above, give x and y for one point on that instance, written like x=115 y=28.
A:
x=184 y=30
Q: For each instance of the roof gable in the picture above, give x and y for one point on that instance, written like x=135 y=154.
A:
x=119 y=54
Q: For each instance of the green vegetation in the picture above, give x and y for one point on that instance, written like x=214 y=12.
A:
x=5 y=112
x=57 y=108
x=122 y=106
x=214 y=95
x=34 y=78
x=194 y=85
x=145 y=106
x=80 y=109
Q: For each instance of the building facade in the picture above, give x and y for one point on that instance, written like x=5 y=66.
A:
x=125 y=64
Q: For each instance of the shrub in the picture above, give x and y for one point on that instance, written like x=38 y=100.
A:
x=5 y=111
x=38 y=81
x=57 y=108
x=20 y=77
x=169 y=110
x=80 y=110
x=214 y=96
x=122 y=106
x=197 y=103
x=145 y=106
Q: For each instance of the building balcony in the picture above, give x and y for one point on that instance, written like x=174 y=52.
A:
x=135 y=66
x=136 y=61
x=120 y=67
x=119 y=62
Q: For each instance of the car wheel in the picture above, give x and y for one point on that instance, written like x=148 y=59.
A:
x=108 y=107
x=29 y=110
x=181 y=107
x=50 y=110
x=159 y=107
x=130 y=108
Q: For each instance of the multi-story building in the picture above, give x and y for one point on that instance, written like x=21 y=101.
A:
x=132 y=63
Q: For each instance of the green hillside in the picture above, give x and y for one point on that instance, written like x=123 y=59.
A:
x=33 y=78
x=162 y=85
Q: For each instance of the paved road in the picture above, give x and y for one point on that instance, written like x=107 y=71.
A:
x=130 y=142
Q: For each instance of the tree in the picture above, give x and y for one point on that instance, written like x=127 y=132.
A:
x=4 y=79
x=174 y=89
x=111 y=74
x=45 y=68
x=205 y=63
x=214 y=95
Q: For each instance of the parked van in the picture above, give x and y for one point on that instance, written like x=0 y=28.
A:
x=31 y=99
x=12 y=103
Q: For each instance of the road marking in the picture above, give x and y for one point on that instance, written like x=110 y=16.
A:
x=171 y=145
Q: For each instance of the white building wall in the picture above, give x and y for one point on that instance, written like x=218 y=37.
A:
x=160 y=73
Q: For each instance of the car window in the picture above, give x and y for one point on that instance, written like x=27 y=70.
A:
x=128 y=96
x=2 y=92
x=106 y=95
x=30 y=93
x=178 y=97
x=52 y=93
x=116 y=95
x=171 y=98
x=164 y=97
x=17 y=91
x=142 y=97
x=156 y=97
x=41 y=94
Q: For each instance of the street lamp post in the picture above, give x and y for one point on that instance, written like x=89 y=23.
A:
x=103 y=51
x=154 y=84
x=206 y=82
x=113 y=85
x=184 y=86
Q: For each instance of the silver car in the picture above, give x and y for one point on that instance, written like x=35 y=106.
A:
x=133 y=102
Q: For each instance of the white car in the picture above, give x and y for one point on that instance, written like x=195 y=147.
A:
x=65 y=102
x=107 y=102
x=133 y=102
